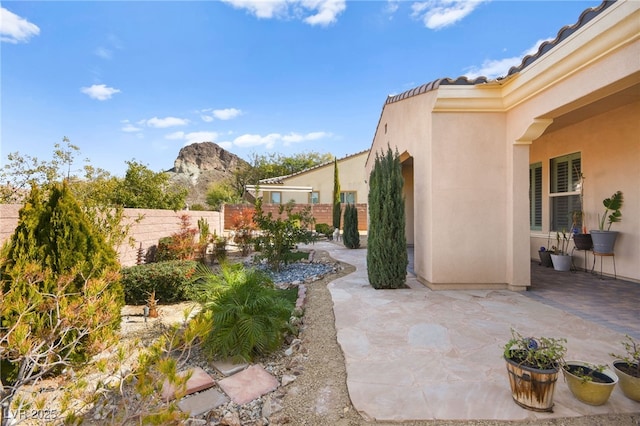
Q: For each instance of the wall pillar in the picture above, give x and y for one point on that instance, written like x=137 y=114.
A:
x=518 y=232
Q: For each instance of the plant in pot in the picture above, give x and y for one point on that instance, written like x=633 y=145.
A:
x=605 y=239
x=561 y=258
x=627 y=368
x=533 y=365
x=589 y=383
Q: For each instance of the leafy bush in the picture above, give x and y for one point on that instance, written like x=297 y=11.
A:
x=171 y=280
x=325 y=229
x=281 y=234
x=249 y=317
x=243 y=229
x=351 y=235
x=180 y=245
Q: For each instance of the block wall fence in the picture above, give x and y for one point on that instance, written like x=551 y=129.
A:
x=155 y=224
x=323 y=213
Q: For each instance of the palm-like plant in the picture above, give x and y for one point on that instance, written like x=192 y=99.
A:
x=249 y=316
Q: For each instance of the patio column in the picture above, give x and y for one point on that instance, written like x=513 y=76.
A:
x=518 y=233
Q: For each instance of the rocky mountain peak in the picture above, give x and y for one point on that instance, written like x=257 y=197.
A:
x=200 y=164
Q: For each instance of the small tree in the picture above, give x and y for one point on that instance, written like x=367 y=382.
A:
x=60 y=295
x=336 y=196
x=351 y=235
x=243 y=228
x=282 y=233
x=387 y=258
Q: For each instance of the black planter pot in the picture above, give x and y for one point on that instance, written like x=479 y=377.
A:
x=545 y=258
x=583 y=241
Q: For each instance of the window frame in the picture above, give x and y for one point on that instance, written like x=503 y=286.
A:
x=343 y=197
x=272 y=193
x=317 y=198
x=558 y=191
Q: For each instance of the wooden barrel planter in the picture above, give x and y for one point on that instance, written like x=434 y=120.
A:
x=532 y=388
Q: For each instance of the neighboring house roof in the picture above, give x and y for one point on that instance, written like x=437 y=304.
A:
x=544 y=47
x=280 y=179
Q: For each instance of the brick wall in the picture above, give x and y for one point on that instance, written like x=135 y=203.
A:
x=323 y=213
x=154 y=225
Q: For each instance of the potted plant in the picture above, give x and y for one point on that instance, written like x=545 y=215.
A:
x=589 y=383
x=560 y=258
x=533 y=365
x=545 y=254
x=605 y=239
x=627 y=368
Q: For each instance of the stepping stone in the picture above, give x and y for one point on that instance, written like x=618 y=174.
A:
x=198 y=381
x=203 y=402
x=248 y=385
x=228 y=368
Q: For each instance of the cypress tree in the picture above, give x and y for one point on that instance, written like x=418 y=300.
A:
x=387 y=243
x=336 y=196
x=351 y=235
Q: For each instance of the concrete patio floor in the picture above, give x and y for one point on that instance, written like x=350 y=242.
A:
x=417 y=354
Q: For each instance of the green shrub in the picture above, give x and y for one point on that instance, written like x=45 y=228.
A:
x=387 y=243
x=325 y=229
x=171 y=280
x=351 y=235
x=249 y=317
x=280 y=234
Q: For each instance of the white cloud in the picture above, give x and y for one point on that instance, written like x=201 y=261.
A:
x=313 y=12
x=492 y=68
x=193 y=137
x=99 y=91
x=227 y=113
x=249 y=140
x=328 y=11
x=15 y=29
x=162 y=123
x=269 y=141
x=437 y=14
x=104 y=53
x=129 y=128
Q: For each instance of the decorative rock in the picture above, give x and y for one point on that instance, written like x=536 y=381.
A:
x=203 y=402
x=228 y=368
x=288 y=378
x=231 y=419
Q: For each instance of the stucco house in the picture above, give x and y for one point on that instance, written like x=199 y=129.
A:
x=491 y=166
x=315 y=185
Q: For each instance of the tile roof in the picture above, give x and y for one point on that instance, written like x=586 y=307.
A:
x=544 y=47
x=280 y=179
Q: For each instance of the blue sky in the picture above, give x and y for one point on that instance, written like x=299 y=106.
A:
x=140 y=80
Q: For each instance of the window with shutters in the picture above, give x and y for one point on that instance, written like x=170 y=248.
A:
x=535 y=197
x=565 y=190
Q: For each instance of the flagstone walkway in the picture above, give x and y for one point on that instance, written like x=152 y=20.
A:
x=417 y=354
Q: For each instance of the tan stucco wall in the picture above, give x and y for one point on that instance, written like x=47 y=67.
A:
x=609 y=144
x=472 y=146
x=351 y=174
